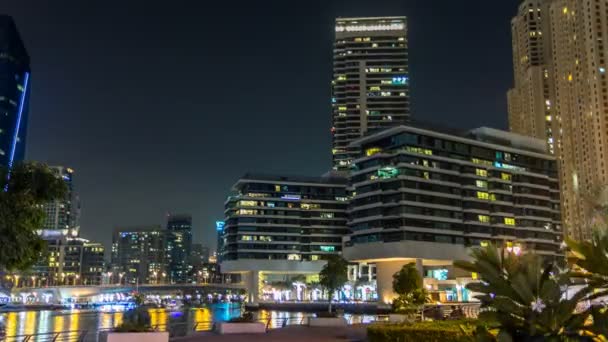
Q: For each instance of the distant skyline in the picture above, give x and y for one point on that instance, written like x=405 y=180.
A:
x=160 y=107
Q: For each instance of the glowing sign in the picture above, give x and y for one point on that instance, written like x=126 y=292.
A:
x=219 y=225
x=365 y=28
x=291 y=197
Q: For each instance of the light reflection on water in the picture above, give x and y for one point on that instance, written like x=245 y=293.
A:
x=40 y=322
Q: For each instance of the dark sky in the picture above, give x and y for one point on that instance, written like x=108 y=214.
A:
x=161 y=105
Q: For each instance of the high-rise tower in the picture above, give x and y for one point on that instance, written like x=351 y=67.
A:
x=530 y=99
x=560 y=79
x=14 y=89
x=370 y=88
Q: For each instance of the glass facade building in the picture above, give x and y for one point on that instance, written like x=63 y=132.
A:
x=370 y=86
x=14 y=93
x=179 y=247
x=426 y=196
x=278 y=226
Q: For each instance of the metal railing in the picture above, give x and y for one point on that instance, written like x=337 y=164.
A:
x=55 y=336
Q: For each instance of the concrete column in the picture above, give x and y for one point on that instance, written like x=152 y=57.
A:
x=384 y=279
x=252 y=282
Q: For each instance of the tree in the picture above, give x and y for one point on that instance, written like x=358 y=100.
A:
x=23 y=191
x=525 y=298
x=333 y=275
x=591 y=262
x=408 y=284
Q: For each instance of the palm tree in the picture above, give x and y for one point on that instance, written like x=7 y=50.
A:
x=524 y=298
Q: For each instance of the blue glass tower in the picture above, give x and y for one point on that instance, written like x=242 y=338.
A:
x=14 y=93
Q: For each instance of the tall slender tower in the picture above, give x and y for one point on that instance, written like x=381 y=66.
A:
x=560 y=58
x=14 y=89
x=530 y=99
x=370 y=88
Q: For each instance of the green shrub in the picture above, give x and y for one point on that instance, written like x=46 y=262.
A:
x=435 y=331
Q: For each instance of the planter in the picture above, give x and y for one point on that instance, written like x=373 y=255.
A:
x=106 y=336
x=241 y=328
x=397 y=318
x=327 y=322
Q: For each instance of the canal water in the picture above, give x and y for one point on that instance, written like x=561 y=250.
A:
x=178 y=322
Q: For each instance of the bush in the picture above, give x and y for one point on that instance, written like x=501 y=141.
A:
x=436 y=331
x=136 y=320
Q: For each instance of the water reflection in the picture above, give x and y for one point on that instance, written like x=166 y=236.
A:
x=179 y=322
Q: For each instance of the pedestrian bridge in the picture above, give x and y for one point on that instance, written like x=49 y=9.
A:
x=60 y=294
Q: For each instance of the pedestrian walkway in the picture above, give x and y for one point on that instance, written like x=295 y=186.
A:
x=352 y=333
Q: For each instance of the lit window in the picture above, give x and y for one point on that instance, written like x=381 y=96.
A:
x=400 y=80
x=506 y=176
x=342 y=78
x=327 y=215
x=376 y=88
x=481 y=172
x=509 y=221
x=342 y=108
x=481 y=184
x=247 y=212
x=314 y=257
x=481 y=161
x=483 y=195
x=372 y=151
x=426 y=175
x=483 y=218
x=248 y=203
x=246 y=238
x=419 y=150
x=277 y=188
x=388 y=172
x=328 y=248
x=294 y=257
x=309 y=206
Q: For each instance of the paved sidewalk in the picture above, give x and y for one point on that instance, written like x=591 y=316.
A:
x=352 y=333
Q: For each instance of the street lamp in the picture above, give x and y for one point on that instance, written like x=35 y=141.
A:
x=76 y=279
x=155 y=274
x=163 y=278
x=33 y=281
x=16 y=280
x=120 y=275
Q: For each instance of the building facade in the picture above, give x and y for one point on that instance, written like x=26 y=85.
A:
x=277 y=226
x=139 y=255
x=530 y=99
x=14 y=93
x=427 y=196
x=69 y=261
x=574 y=90
x=62 y=214
x=370 y=86
x=179 y=247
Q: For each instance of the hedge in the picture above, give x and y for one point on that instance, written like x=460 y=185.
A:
x=435 y=331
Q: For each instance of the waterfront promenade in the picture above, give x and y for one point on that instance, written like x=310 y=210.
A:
x=354 y=333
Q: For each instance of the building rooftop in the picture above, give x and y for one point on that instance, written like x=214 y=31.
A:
x=482 y=134
x=328 y=178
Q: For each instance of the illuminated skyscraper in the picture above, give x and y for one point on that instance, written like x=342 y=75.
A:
x=14 y=90
x=370 y=87
x=179 y=247
x=561 y=45
x=62 y=214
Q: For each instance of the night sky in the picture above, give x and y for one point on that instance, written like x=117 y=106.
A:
x=160 y=106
